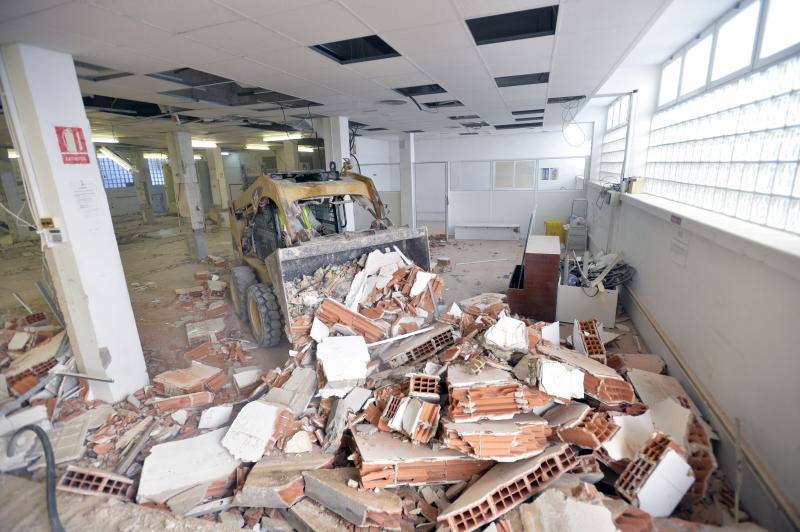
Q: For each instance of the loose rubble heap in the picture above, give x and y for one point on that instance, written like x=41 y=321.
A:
x=391 y=412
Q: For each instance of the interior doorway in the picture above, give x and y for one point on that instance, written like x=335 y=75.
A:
x=430 y=196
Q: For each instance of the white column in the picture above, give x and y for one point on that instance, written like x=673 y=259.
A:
x=290 y=157
x=15 y=202
x=141 y=181
x=190 y=206
x=408 y=211
x=59 y=168
x=219 y=184
x=335 y=133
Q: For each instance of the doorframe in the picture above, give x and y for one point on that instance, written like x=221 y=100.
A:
x=446 y=193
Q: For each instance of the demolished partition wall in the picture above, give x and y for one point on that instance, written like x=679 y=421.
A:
x=728 y=310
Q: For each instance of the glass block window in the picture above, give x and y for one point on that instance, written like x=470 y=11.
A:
x=734 y=149
x=156 y=170
x=612 y=155
x=114 y=176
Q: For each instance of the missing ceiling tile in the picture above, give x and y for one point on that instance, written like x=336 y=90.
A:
x=526 y=24
x=522 y=79
x=518 y=126
x=421 y=90
x=528 y=112
x=357 y=50
x=443 y=103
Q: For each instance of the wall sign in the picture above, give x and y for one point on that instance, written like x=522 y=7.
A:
x=72 y=144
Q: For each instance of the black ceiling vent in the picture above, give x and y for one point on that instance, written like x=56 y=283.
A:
x=421 y=90
x=534 y=118
x=121 y=106
x=562 y=99
x=268 y=126
x=522 y=79
x=475 y=124
x=470 y=133
x=443 y=103
x=376 y=129
x=353 y=123
x=356 y=50
x=92 y=72
x=233 y=94
x=513 y=26
x=463 y=117
x=414 y=131
x=528 y=112
x=299 y=103
x=190 y=77
x=517 y=126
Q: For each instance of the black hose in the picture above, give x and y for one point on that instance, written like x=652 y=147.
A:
x=52 y=507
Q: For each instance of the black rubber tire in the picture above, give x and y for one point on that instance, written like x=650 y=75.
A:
x=241 y=278
x=264 y=314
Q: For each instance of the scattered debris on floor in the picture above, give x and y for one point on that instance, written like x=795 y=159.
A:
x=391 y=412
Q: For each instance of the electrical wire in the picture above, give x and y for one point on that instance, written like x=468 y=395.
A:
x=431 y=111
x=18 y=218
x=569 y=110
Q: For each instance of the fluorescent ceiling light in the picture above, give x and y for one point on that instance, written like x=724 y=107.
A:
x=257 y=147
x=12 y=154
x=155 y=155
x=226 y=153
x=273 y=137
x=199 y=143
x=104 y=139
x=306 y=149
x=198 y=157
x=106 y=152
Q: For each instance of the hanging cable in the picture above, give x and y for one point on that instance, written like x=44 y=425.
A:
x=18 y=218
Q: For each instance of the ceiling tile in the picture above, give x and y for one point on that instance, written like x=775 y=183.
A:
x=143 y=83
x=17 y=8
x=403 y=80
x=430 y=38
x=317 y=24
x=182 y=51
x=300 y=61
x=391 y=66
x=385 y=16
x=261 y=8
x=126 y=60
x=518 y=57
x=241 y=37
x=174 y=16
x=27 y=32
x=532 y=93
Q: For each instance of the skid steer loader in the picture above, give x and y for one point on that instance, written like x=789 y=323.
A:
x=286 y=225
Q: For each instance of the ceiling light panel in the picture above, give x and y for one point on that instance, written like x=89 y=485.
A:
x=528 y=112
x=368 y=48
x=522 y=79
x=421 y=90
x=443 y=103
x=526 y=24
x=463 y=117
x=518 y=126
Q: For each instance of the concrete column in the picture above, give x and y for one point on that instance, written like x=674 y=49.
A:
x=219 y=184
x=45 y=114
x=190 y=205
x=141 y=180
x=15 y=202
x=289 y=159
x=408 y=211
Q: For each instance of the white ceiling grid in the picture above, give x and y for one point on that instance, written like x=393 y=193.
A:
x=266 y=43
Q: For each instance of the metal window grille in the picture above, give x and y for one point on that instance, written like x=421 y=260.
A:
x=114 y=176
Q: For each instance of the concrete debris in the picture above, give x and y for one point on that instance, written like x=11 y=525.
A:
x=277 y=481
x=256 y=429
x=331 y=488
x=391 y=411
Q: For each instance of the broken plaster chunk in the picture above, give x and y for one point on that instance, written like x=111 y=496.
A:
x=556 y=511
x=344 y=362
x=552 y=377
x=633 y=433
x=332 y=488
x=421 y=281
x=256 y=429
x=299 y=443
x=206 y=330
x=215 y=416
x=507 y=336
x=297 y=391
x=175 y=466
x=319 y=330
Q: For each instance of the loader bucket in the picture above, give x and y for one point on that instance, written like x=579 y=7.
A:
x=287 y=264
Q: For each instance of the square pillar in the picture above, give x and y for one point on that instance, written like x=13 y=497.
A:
x=289 y=159
x=219 y=184
x=141 y=180
x=47 y=121
x=187 y=191
x=408 y=211
x=16 y=203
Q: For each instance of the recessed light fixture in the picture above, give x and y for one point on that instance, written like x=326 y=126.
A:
x=443 y=103
x=12 y=154
x=350 y=51
x=259 y=147
x=421 y=90
x=108 y=153
x=562 y=99
x=155 y=155
x=414 y=131
x=376 y=129
x=537 y=22
x=200 y=143
x=517 y=126
x=463 y=117
x=528 y=118
x=306 y=149
x=198 y=157
x=392 y=102
x=226 y=153
x=528 y=112
x=104 y=139
x=522 y=79
x=277 y=137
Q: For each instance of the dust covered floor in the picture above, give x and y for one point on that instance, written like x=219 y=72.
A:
x=156 y=262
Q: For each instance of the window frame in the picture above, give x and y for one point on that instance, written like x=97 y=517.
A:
x=759 y=61
x=688 y=46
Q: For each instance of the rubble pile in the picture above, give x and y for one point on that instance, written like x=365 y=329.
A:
x=391 y=412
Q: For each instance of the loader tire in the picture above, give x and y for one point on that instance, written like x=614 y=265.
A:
x=241 y=278
x=264 y=312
